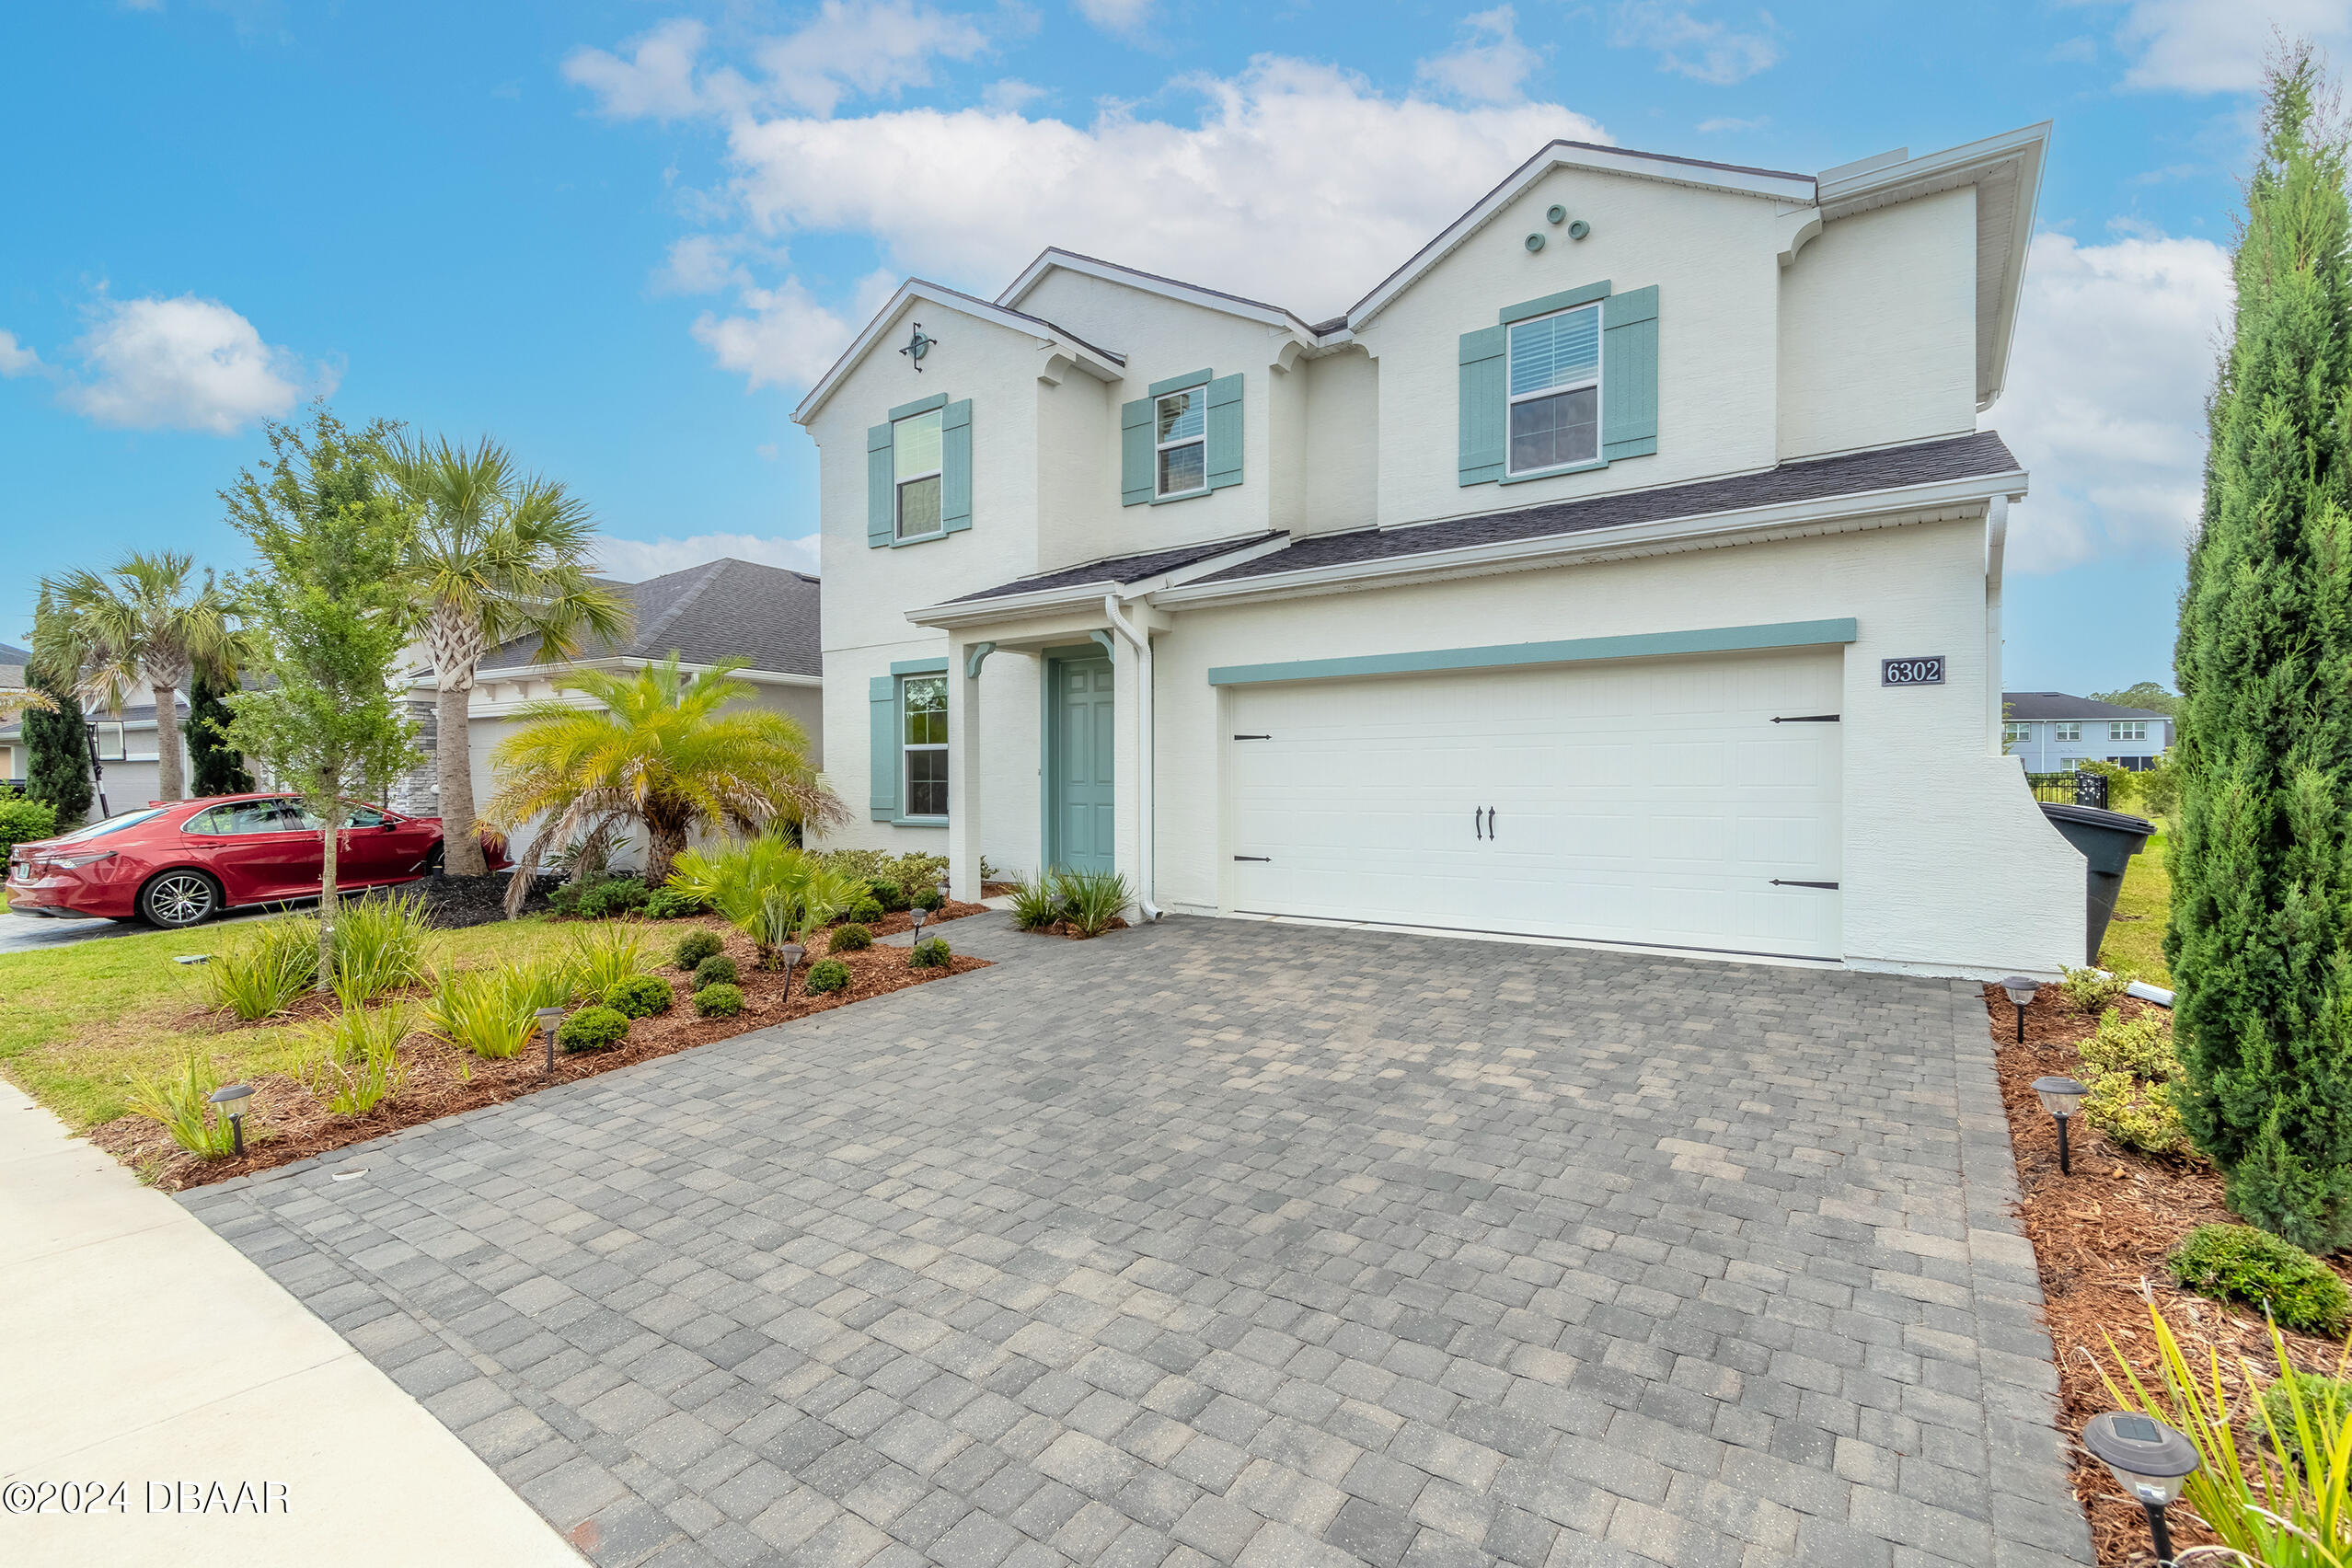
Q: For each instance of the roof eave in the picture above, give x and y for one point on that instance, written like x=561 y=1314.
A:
x=1054 y=257
x=1103 y=364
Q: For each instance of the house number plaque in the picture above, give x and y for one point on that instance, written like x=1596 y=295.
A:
x=1925 y=671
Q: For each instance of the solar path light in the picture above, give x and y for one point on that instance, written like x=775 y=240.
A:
x=2020 y=997
x=2149 y=1460
x=551 y=1019
x=2061 y=1097
x=231 y=1098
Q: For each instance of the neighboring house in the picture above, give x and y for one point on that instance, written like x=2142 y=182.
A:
x=12 y=684
x=1625 y=567
x=2050 y=732
x=724 y=609
x=126 y=750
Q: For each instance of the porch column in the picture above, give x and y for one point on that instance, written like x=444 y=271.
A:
x=963 y=775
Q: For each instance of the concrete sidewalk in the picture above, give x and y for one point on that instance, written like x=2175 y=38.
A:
x=137 y=1347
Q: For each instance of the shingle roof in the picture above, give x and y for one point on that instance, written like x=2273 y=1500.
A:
x=1120 y=569
x=1927 y=462
x=722 y=609
x=2028 y=707
x=11 y=655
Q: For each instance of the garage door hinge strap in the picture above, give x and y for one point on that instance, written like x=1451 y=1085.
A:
x=1777 y=881
x=1268 y=858
x=1809 y=718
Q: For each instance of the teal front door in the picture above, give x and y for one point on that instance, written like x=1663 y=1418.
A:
x=1080 y=753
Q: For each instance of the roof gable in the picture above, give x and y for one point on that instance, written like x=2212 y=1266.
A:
x=1054 y=258
x=1103 y=364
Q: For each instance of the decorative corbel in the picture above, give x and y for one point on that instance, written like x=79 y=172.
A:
x=976 y=656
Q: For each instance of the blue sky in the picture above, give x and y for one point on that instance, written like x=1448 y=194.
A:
x=622 y=237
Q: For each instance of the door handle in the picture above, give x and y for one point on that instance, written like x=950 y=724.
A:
x=1477 y=827
x=1490 y=823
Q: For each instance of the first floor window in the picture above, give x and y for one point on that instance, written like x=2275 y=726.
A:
x=1180 y=428
x=1555 y=390
x=2128 y=729
x=2066 y=732
x=109 y=743
x=2016 y=734
x=923 y=716
x=915 y=448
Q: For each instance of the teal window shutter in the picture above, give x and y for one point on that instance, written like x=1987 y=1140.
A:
x=1135 y=452
x=955 y=468
x=1484 y=418
x=882 y=713
x=1225 y=431
x=881 y=498
x=1630 y=374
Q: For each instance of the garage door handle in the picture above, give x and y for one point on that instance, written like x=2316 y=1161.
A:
x=1490 y=823
x=1780 y=883
x=1267 y=857
x=1809 y=718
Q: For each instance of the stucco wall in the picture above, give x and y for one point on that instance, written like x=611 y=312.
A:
x=1878 y=329
x=1343 y=435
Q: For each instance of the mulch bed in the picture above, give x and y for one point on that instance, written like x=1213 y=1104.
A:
x=287 y=1123
x=454 y=903
x=2100 y=1236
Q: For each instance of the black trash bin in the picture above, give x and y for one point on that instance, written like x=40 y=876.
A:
x=2108 y=840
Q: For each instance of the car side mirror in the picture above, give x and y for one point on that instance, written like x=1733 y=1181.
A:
x=388 y=825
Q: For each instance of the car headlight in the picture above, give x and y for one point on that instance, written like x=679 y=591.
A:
x=68 y=862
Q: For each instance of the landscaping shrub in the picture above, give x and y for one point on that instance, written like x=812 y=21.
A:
x=827 y=975
x=849 y=938
x=353 y=1062
x=2131 y=1072
x=2088 y=992
x=2142 y=1048
x=264 y=968
x=907 y=870
x=716 y=970
x=600 y=899
x=1091 y=900
x=23 y=822
x=867 y=911
x=546 y=980
x=927 y=897
x=484 y=1011
x=673 y=903
x=931 y=953
x=696 y=946
x=591 y=1028
x=771 y=891
x=720 y=1000
x=380 y=944
x=889 y=893
x=1036 y=903
x=639 y=995
x=603 y=954
x=179 y=1106
x=2298 y=1408
x=2238 y=1263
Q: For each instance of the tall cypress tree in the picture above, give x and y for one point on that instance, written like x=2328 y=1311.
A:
x=214 y=767
x=57 y=747
x=2260 y=943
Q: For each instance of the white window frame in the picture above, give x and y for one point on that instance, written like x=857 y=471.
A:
x=2066 y=729
x=2013 y=734
x=906 y=749
x=2127 y=729
x=106 y=728
x=1161 y=448
x=898 y=481
x=1512 y=400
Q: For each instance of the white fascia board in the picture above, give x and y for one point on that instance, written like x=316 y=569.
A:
x=1834 y=513
x=1101 y=364
x=621 y=665
x=1052 y=259
x=1787 y=188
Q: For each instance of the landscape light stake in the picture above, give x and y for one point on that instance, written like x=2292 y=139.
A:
x=2060 y=1097
x=2149 y=1460
x=791 y=954
x=231 y=1098
x=2020 y=997
x=549 y=1020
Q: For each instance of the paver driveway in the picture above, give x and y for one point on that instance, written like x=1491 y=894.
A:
x=1226 y=1242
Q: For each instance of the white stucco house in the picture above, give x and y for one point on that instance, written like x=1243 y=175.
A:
x=1625 y=568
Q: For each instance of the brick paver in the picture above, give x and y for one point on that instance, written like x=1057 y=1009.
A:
x=1217 y=1242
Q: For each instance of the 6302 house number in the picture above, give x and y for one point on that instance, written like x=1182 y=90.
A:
x=1926 y=670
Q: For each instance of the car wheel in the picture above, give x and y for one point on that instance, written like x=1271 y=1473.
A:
x=179 y=899
x=432 y=863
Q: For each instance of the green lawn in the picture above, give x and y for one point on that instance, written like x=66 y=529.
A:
x=2136 y=946
x=76 y=1021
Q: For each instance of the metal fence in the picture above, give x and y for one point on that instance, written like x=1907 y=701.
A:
x=2069 y=789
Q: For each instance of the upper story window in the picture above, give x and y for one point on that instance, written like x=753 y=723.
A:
x=1555 y=390
x=109 y=740
x=2128 y=729
x=2016 y=734
x=2067 y=732
x=923 y=703
x=1179 y=429
x=916 y=447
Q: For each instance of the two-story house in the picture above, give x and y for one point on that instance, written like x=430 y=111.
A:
x=1625 y=568
x=2051 y=732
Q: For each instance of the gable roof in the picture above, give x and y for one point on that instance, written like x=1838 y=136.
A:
x=722 y=609
x=1055 y=258
x=2029 y=707
x=1101 y=364
x=14 y=655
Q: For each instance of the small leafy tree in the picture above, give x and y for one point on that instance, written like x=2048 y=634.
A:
x=330 y=617
x=2260 y=941
x=58 y=747
x=2142 y=694
x=214 y=767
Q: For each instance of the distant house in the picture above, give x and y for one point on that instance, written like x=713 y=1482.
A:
x=2051 y=732
x=12 y=681
x=126 y=741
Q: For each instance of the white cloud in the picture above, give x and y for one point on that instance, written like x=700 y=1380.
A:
x=656 y=82
x=848 y=48
x=1011 y=95
x=1488 y=65
x=784 y=338
x=1709 y=127
x=2114 y=351
x=701 y=263
x=634 y=560
x=2198 y=46
x=1704 y=51
x=185 y=364
x=1124 y=17
x=15 y=359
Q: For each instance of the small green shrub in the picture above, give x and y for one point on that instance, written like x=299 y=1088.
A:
x=927 y=897
x=696 y=946
x=1091 y=900
x=2130 y=1070
x=890 y=894
x=380 y=944
x=2237 y=1263
x=827 y=975
x=482 y=1010
x=591 y=1028
x=179 y=1106
x=907 y=870
x=2142 y=1048
x=2089 y=992
x=716 y=970
x=25 y=821
x=867 y=911
x=600 y=899
x=849 y=938
x=1036 y=903
x=2324 y=1403
x=602 y=954
x=639 y=995
x=718 y=1000
x=265 y=969
x=673 y=903
x=931 y=953
x=353 y=1062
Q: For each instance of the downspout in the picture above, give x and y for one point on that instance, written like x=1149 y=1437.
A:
x=1144 y=761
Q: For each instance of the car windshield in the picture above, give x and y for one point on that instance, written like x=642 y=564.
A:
x=111 y=824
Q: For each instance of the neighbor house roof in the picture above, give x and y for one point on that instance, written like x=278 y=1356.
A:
x=2031 y=707
x=13 y=655
x=724 y=609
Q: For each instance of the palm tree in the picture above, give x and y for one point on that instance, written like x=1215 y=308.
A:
x=499 y=554
x=657 y=751
x=142 y=623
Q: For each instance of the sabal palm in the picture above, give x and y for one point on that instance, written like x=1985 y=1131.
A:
x=499 y=554
x=661 y=749
x=770 y=891
x=147 y=622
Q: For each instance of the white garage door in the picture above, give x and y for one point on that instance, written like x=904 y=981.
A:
x=1652 y=801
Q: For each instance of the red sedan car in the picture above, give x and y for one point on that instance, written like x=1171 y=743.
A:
x=181 y=862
